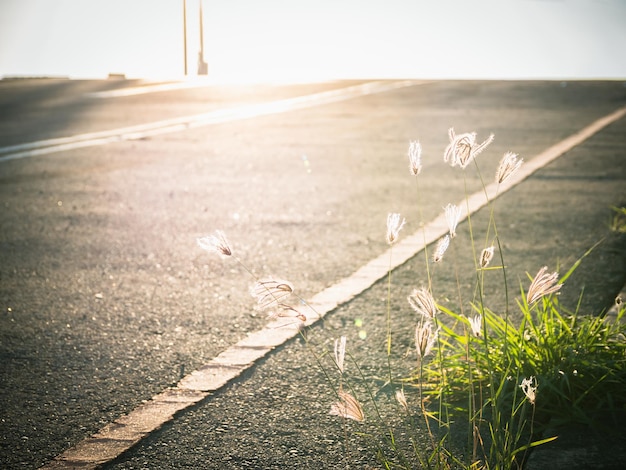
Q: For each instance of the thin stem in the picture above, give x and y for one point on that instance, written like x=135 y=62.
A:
x=346 y=442
x=492 y=220
x=381 y=421
x=422 y=407
x=469 y=221
x=389 y=317
x=457 y=277
x=472 y=396
x=441 y=370
x=495 y=416
x=421 y=219
x=389 y=307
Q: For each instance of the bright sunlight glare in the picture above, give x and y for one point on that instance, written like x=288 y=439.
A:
x=310 y=40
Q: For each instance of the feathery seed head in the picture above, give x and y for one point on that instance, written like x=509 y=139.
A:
x=425 y=339
x=269 y=293
x=340 y=352
x=529 y=387
x=394 y=225
x=476 y=325
x=415 y=157
x=347 y=407
x=508 y=165
x=422 y=301
x=486 y=256
x=216 y=243
x=441 y=248
x=463 y=148
x=401 y=399
x=285 y=311
x=453 y=214
x=543 y=284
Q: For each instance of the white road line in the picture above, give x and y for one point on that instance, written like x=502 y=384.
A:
x=153 y=88
x=44 y=147
x=117 y=437
x=166 y=86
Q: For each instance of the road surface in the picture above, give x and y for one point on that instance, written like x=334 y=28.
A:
x=107 y=300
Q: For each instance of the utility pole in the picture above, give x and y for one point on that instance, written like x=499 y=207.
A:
x=203 y=67
x=185 y=33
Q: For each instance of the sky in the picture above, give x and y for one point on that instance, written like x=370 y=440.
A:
x=308 y=40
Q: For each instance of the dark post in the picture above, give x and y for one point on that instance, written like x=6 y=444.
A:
x=185 y=33
x=203 y=67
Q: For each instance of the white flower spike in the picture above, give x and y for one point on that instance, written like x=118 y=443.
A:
x=347 y=407
x=423 y=302
x=340 y=352
x=476 y=325
x=415 y=157
x=529 y=387
x=463 y=148
x=394 y=225
x=442 y=246
x=425 y=339
x=452 y=214
x=543 y=284
x=508 y=165
x=486 y=256
x=216 y=243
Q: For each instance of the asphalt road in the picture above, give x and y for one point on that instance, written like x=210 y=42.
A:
x=107 y=299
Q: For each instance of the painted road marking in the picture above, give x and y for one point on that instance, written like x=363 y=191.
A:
x=153 y=88
x=119 y=436
x=44 y=147
x=168 y=86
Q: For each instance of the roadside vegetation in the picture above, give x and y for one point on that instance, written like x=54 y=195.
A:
x=486 y=386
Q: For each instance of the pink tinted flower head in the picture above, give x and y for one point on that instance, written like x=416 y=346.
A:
x=216 y=243
x=347 y=407
x=269 y=293
x=285 y=311
x=543 y=284
x=463 y=148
